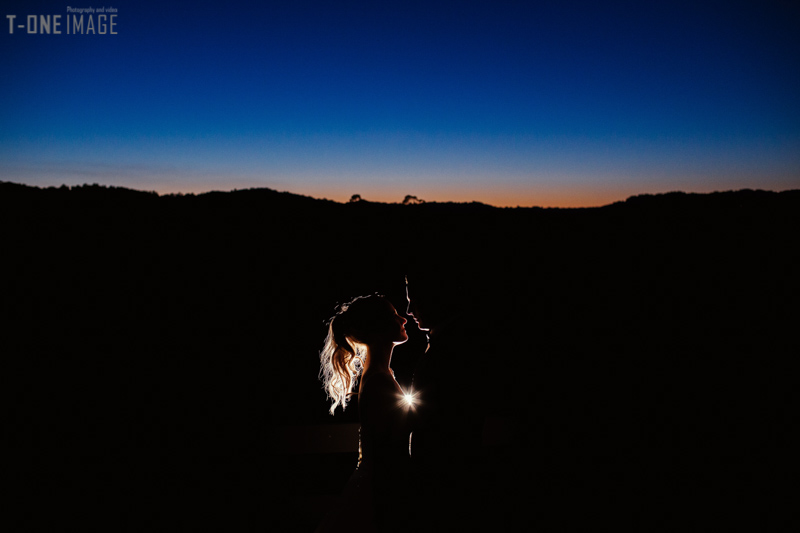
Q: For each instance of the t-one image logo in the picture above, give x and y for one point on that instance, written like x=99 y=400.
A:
x=77 y=21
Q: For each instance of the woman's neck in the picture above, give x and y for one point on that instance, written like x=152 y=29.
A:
x=378 y=358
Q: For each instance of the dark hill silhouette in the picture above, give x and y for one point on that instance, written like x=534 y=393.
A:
x=643 y=349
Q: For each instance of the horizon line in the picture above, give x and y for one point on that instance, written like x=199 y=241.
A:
x=408 y=200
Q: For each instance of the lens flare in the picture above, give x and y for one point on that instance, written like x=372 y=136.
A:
x=409 y=399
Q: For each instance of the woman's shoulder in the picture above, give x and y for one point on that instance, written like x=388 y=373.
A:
x=378 y=384
x=378 y=399
x=378 y=379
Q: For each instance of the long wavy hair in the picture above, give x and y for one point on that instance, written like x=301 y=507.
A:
x=342 y=356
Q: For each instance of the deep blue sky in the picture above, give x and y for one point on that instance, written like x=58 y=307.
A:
x=578 y=103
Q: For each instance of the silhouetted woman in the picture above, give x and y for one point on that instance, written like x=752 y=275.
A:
x=361 y=337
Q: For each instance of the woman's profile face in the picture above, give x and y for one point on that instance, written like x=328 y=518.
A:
x=379 y=323
x=399 y=326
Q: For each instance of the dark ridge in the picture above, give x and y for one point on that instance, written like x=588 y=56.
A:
x=643 y=351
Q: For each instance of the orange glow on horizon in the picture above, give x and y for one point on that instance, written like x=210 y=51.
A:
x=564 y=199
x=566 y=194
x=498 y=197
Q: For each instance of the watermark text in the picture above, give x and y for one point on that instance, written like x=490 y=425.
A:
x=77 y=21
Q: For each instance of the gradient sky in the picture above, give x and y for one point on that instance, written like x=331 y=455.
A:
x=508 y=103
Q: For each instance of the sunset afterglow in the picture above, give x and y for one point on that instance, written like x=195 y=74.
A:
x=509 y=104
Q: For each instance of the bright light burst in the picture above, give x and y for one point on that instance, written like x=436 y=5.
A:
x=409 y=399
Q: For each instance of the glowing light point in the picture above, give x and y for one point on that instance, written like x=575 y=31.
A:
x=409 y=399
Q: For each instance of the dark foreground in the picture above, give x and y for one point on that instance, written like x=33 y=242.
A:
x=152 y=346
